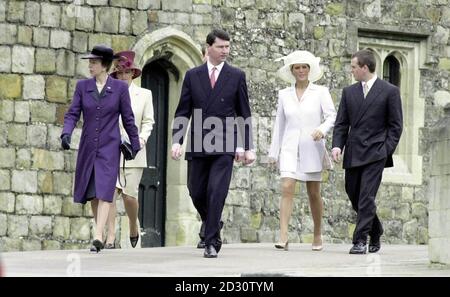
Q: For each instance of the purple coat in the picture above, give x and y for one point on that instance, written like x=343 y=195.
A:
x=100 y=136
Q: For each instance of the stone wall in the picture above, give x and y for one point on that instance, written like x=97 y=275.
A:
x=439 y=191
x=40 y=46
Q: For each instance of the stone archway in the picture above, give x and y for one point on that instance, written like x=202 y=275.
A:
x=180 y=53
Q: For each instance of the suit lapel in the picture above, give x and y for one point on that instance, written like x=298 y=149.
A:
x=92 y=89
x=369 y=100
x=204 y=80
x=220 y=83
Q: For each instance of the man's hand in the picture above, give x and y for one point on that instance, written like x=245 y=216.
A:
x=336 y=153
x=249 y=157
x=317 y=135
x=239 y=156
x=177 y=151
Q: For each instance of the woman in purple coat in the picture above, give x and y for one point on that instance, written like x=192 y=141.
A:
x=101 y=99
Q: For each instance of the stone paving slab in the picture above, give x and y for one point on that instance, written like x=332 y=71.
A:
x=259 y=259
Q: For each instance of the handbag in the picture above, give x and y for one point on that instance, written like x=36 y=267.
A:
x=127 y=150
x=128 y=154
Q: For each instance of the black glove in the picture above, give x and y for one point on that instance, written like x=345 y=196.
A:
x=65 y=141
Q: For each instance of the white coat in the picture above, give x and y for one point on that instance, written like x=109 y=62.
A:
x=295 y=121
x=142 y=105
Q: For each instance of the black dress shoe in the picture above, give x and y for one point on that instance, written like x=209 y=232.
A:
x=201 y=243
x=210 y=252
x=374 y=245
x=359 y=248
x=97 y=245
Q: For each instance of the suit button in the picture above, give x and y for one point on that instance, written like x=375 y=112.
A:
x=96 y=119
x=95 y=139
x=96 y=129
x=365 y=142
x=222 y=100
x=98 y=107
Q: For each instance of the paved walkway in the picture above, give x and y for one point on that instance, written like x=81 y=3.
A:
x=259 y=259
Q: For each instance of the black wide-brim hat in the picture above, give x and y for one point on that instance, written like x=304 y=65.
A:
x=101 y=52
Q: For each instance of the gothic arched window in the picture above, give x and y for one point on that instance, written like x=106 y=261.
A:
x=391 y=70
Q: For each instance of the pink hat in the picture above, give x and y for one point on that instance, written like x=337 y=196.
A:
x=125 y=62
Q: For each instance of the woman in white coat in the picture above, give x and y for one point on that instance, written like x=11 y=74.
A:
x=305 y=114
x=142 y=105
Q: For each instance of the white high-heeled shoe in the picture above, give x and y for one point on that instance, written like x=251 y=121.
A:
x=284 y=246
x=318 y=247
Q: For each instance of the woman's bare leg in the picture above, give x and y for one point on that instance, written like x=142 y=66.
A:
x=286 y=205
x=316 y=205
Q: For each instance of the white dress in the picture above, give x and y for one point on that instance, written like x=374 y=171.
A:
x=299 y=156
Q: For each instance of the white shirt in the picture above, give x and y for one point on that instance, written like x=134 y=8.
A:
x=218 y=69
x=369 y=83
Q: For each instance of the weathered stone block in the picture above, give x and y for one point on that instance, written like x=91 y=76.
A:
x=84 y=18
x=61 y=228
x=248 y=235
x=107 y=19
x=56 y=89
x=33 y=87
x=335 y=9
x=149 y=4
x=10 y=86
x=238 y=198
x=68 y=18
x=6 y=110
x=22 y=59
x=139 y=22
x=97 y=2
x=410 y=231
x=120 y=43
x=16 y=11
x=5 y=59
x=177 y=5
x=52 y=205
x=7 y=157
x=45 y=60
x=95 y=39
x=17 y=226
x=124 y=3
x=82 y=69
x=80 y=228
x=45 y=183
x=22 y=112
x=23 y=159
x=17 y=134
x=43 y=112
x=41 y=225
x=65 y=63
x=27 y=204
x=11 y=244
x=51 y=245
x=9 y=34
x=3 y=133
x=36 y=137
x=49 y=160
x=50 y=15
x=31 y=245
x=71 y=209
x=62 y=183
x=24 y=181
x=3 y=222
x=7 y=202
x=24 y=35
x=125 y=21
x=60 y=39
x=32 y=13
x=79 y=42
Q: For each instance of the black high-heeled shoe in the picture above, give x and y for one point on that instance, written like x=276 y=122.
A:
x=98 y=245
x=134 y=240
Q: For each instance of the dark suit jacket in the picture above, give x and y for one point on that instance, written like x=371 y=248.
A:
x=369 y=129
x=214 y=112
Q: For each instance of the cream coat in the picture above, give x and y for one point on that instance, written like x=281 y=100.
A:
x=142 y=105
x=295 y=121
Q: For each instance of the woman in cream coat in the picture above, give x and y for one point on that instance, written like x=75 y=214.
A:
x=305 y=115
x=141 y=103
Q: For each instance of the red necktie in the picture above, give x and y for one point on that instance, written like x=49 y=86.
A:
x=213 y=77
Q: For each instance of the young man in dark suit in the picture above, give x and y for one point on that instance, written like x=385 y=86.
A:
x=368 y=126
x=214 y=96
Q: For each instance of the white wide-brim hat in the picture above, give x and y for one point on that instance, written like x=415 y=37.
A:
x=300 y=57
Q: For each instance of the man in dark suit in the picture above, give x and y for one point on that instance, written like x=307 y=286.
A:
x=368 y=126
x=215 y=96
